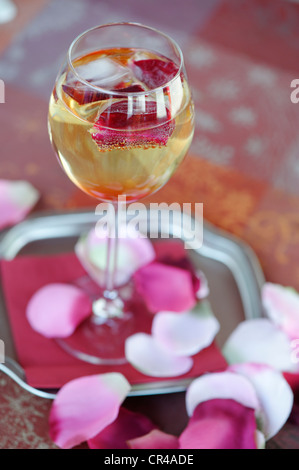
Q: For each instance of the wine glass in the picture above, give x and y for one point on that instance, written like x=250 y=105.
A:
x=121 y=121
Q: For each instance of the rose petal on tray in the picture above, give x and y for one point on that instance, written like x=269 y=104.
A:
x=55 y=310
x=155 y=439
x=274 y=394
x=120 y=126
x=85 y=406
x=173 y=253
x=17 y=198
x=281 y=305
x=261 y=341
x=220 y=424
x=148 y=356
x=128 y=425
x=165 y=288
x=154 y=72
x=133 y=252
x=188 y=333
x=224 y=385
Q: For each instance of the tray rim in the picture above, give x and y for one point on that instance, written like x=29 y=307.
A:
x=211 y=236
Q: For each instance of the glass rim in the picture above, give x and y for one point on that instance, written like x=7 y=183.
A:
x=117 y=92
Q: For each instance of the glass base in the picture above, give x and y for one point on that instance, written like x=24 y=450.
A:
x=100 y=342
x=100 y=339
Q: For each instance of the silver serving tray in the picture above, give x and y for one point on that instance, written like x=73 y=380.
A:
x=232 y=269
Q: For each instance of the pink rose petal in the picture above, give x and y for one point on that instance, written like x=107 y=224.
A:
x=188 y=333
x=224 y=385
x=56 y=310
x=274 y=394
x=165 y=287
x=155 y=439
x=173 y=253
x=85 y=406
x=17 y=198
x=148 y=356
x=261 y=341
x=128 y=425
x=281 y=305
x=220 y=424
x=133 y=253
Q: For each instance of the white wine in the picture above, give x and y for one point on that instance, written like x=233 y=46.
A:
x=124 y=128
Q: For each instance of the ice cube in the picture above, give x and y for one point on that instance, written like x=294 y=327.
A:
x=104 y=72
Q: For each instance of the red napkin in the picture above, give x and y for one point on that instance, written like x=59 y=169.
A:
x=46 y=365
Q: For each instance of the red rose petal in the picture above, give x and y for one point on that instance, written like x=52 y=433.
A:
x=154 y=72
x=128 y=425
x=220 y=424
x=143 y=128
x=83 y=94
x=134 y=88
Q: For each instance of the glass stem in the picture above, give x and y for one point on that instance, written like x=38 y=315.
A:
x=112 y=251
x=110 y=305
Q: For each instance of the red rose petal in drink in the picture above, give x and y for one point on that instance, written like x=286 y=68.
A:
x=83 y=95
x=154 y=72
x=119 y=127
x=134 y=88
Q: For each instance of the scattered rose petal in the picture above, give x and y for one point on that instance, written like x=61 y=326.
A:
x=139 y=128
x=128 y=425
x=133 y=253
x=56 y=310
x=155 y=439
x=85 y=406
x=259 y=341
x=282 y=307
x=220 y=424
x=224 y=385
x=173 y=253
x=17 y=198
x=148 y=356
x=188 y=333
x=274 y=394
x=165 y=287
x=154 y=72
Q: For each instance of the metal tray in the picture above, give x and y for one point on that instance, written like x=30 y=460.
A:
x=233 y=272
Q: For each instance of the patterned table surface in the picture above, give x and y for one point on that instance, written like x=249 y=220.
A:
x=241 y=56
